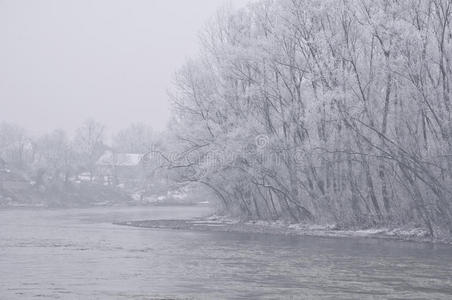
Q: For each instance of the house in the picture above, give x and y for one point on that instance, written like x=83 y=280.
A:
x=127 y=169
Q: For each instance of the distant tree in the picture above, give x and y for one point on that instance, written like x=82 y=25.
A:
x=15 y=146
x=89 y=145
x=137 y=138
x=55 y=155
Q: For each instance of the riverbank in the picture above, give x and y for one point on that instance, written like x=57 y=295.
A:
x=223 y=224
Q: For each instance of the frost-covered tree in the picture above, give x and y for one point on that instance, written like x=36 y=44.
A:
x=137 y=138
x=89 y=145
x=350 y=98
x=15 y=145
x=55 y=156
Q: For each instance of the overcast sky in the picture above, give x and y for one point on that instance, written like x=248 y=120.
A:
x=62 y=61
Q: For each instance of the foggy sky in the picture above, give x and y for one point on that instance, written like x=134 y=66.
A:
x=113 y=60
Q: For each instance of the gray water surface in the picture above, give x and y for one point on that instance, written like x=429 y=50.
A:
x=80 y=254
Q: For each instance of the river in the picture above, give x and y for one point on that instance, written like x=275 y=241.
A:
x=80 y=254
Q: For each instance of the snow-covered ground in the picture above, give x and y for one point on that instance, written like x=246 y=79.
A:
x=409 y=233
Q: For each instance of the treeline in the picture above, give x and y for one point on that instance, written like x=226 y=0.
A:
x=334 y=111
x=57 y=157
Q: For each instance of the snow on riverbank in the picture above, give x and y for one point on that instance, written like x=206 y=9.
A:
x=225 y=224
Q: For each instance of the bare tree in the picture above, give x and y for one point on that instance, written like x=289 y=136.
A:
x=352 y=97
x=89 y=145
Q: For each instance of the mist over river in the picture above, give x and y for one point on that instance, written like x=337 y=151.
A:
x=80 y=254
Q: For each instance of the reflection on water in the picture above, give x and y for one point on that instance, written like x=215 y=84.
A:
x=79 y=254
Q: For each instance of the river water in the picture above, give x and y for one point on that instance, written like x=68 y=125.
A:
x=80 y=254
